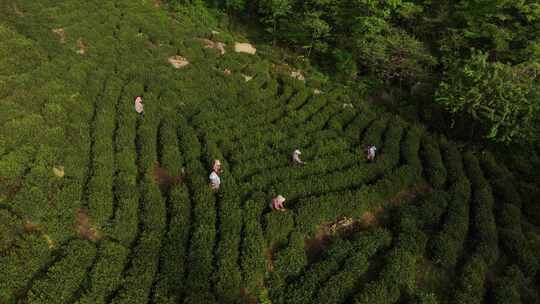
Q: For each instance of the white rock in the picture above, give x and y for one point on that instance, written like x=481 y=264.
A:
x=178 y=61
x=245 y=48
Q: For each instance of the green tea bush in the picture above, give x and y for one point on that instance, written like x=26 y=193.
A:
x=374 y=134
x=229 y=279
x=342 y=284
x=507 y=288
x=125 y=221
x=290 y=261
x=106 y=275
x=10 y=227
x=30 y=253
x=355 y=128
x=434 y=166
x=410 y=146
x=399 y=272
x=448 y=245
x=71 y=71
x=315 y=210
x=484 y=226
x=252 y=259
x=100 y=199
x=277 y=227
x=68 y=272
x=471 y=286
x=305 y=288
x=175 y=244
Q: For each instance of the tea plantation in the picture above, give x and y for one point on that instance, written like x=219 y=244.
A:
x=84 y=218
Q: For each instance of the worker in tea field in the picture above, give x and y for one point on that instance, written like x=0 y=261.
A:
x=216 y=167
x=296 y=157
x=139 y=108
x=371 y=150
x=277 y=203
x=215 y=181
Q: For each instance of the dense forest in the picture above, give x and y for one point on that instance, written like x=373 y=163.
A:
x=114 y=112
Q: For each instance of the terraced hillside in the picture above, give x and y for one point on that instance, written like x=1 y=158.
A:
x=89 y=214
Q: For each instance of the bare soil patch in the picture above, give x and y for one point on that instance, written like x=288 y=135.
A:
x=13 y=187
x=83 y=226
x=269 y=254
x=18 y=12
x=30 y=227
x=209 y=44
x=247 y=297
x=409 y=194
x=316 y=246
x=164 y=179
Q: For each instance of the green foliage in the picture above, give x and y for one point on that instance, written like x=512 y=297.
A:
x=341 y=285
x=471 y=286
x=448 y=245
x=290 y=261
x=483 y=223
x=100 y=204
x=68 y=272
x=507 y=288
x=10 y=227
x=106 y=275
x=434 y=169
x=503 y=98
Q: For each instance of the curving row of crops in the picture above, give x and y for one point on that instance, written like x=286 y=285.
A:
x=85 y=218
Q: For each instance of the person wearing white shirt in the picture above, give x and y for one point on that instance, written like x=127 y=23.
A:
x=371 y=152
x=296 y=157
x=277 y=203
x=215 y=181
x=139 y=107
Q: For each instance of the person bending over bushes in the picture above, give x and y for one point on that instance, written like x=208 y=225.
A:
x=277 y=203
x=139 y=107
x=296 y=158
x=371 y=150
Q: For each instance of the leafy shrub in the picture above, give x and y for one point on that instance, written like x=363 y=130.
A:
x=68 y=272
x=342 y=284
x=447 y=246
x=434 y=166
x=484 y=226
x=106 y=275
x=471 y=286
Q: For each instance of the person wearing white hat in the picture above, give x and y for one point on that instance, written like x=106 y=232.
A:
x=296 y=157
x=371 y=150
x=277 y=203
x=216 y=167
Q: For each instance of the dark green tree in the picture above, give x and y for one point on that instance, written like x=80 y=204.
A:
x=502 y=97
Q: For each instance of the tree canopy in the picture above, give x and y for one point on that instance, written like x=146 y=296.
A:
x=480 y=56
